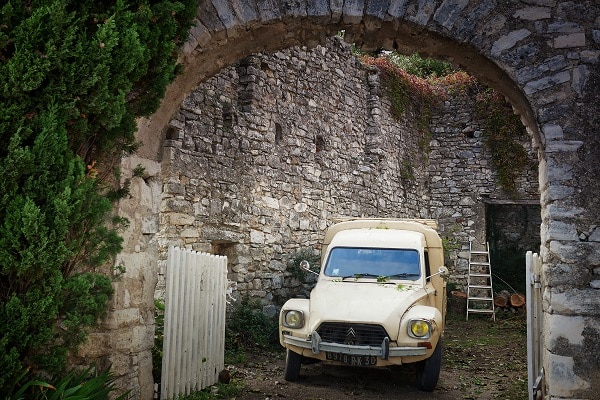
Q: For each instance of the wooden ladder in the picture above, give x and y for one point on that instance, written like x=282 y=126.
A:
x=480 y=292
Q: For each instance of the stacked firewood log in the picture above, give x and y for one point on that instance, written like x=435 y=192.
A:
x=505 y=300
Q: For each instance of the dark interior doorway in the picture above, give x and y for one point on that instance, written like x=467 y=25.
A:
x=512 y=230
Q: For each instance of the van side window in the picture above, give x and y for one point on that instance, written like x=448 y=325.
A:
x=427 y=266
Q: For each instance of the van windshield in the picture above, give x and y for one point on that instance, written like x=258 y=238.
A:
x=346 y=262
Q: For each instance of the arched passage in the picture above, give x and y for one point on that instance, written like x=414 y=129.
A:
x=542 y=55
x=211 y=49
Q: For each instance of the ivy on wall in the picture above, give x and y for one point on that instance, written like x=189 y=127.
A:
x=409 y=93
x=503 y=132
x=417 y=84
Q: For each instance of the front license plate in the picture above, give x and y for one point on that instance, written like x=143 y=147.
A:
x=349 y=359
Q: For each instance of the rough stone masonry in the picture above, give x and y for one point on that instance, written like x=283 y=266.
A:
x=542 y=54
x=264 y=156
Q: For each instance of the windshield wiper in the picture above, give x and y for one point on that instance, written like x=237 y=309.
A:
x=361 y=275
x=404 y=275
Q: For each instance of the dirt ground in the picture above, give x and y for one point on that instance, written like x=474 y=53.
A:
x=482 y=360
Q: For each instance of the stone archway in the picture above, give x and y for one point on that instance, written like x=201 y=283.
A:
x=542 y=54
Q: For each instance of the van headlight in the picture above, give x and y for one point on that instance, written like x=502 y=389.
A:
x=293 y=319
x=419 y=328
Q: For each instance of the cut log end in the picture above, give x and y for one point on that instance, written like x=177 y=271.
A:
x=517 y=300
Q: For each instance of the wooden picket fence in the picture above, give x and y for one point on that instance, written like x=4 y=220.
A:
x=194 y=330
x=535 y=322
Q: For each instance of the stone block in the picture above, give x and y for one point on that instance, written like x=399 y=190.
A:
x=270 y=311
x=336 y=10
x=532 y=13
x=398 y=8
x=557 y=230
x=448 y=12
x=377 y=9
x=271 y=202
x=201 y=37
x=563 y=146
x=300 y=207
x=178 y=219
x=212 y=22
x=244 y=10
x=276 y=265
x=226 y=15
x=268 y=11
x=97 y=345
x=552 y=132
x=509 y=40
x=189 y=233
x=565 y=274
x=124 y=318
x=257 y=237
x=142 y=338
x=564 y=27
x=570 y=40
x=590 y=56
x=353 y=11
x=560 y=376
x=120 y=363
x=469 y=23
x=547 y=82
x=316 y=8
x=563 y=330
x=150 y=224
x=580 y=78
x=421 y=13
x=587 y=253
x=574 y=301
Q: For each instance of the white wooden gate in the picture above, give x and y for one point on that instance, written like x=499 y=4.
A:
x=534 y=325
x=194 y=331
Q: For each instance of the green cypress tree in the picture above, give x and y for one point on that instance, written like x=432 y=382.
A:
x=74 y=75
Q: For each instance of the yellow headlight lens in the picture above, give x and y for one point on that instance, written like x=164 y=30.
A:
x=293 y=319
x=420 y=329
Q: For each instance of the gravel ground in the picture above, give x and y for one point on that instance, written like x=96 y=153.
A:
x=482 y=360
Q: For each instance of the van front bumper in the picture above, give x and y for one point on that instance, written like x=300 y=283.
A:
x=384 y=351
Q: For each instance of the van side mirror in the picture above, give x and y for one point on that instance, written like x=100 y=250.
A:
x=306 y=266
x=442 y=272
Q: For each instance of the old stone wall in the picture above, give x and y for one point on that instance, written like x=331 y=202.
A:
x=267 y=154
x=463 y=180
x=264 y=156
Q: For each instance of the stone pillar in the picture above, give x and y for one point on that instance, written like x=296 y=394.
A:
x=128 y=329
x=571 y=256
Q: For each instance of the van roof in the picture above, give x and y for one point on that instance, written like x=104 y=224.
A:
x=380 y=238
x=425 y=227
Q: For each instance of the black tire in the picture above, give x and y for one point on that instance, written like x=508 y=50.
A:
x=292 y=366
x=428 y=371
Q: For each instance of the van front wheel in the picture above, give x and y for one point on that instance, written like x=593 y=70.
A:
x=428 y=371
x=292 y=366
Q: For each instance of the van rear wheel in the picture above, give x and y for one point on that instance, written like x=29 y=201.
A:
x=292 y=366
x=428 y=371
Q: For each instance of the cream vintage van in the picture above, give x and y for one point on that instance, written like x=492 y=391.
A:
x=379 y=301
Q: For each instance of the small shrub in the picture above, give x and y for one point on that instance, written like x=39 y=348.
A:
x=85 y=385
x=218 y=391
x=248 y=328
x=419 y=66
x=159 y=330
